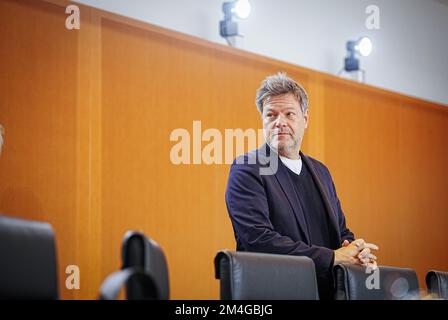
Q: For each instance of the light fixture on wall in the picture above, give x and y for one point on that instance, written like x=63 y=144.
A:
x=228 y=28
x=363 y=47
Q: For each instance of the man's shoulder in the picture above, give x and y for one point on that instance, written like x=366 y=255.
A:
x=319 y=166
x=245 y=170
x=247 y=163
x=259 y=162
x=314 y=161
x=255 y=158
x=249 y=158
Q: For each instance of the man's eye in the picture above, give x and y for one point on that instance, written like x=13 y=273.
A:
x=291 y=114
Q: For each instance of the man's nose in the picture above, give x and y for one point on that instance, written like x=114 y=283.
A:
x=280 y=121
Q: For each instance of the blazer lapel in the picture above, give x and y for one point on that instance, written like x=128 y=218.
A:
x=286 y=184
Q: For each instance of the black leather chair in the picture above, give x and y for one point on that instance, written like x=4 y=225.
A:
x=437 y=283
x=28 y=266
x=354 y=282
x=259 y=276
x=144 y=271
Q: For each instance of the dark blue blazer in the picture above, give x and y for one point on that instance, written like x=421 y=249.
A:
x=266 y=214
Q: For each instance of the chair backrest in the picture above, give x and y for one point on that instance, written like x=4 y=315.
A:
x=138 y=251
x=147 y=288
x=437 y=283
x=355 y=282
x=260 y=276
x=28 y=266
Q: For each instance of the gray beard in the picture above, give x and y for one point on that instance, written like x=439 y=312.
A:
x=286 y=150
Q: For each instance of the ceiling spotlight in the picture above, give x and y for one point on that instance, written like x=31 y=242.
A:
x=242 y=9
x=363 y=47
x=228 y=28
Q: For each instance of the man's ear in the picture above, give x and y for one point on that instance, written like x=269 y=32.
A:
x=306 y=118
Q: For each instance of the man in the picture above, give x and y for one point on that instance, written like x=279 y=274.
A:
x=295 y=210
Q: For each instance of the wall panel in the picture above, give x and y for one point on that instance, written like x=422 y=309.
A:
x=88 y=116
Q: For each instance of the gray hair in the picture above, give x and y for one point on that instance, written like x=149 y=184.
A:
x=277 y=84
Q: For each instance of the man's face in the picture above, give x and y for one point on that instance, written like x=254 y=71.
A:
x=284 y=124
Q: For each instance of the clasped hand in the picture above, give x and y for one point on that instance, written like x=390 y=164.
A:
x=357 y=252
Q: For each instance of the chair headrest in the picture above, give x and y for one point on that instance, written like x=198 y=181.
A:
x=247 y=275
x=140 y=251
x=28 y=268
x=355 y=282
x=437 y=283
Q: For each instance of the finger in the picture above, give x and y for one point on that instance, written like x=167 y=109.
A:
x=364 y=260
x=359 y=244
x=355 y=260
x=364 y=253
x=345 y=243
x=367 y=258
x=372 y=257
x=371 y=265
x=371 y=246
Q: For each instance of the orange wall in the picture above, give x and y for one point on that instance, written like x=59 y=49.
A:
x=88 y=115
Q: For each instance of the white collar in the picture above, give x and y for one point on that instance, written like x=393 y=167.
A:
x=293 y=164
